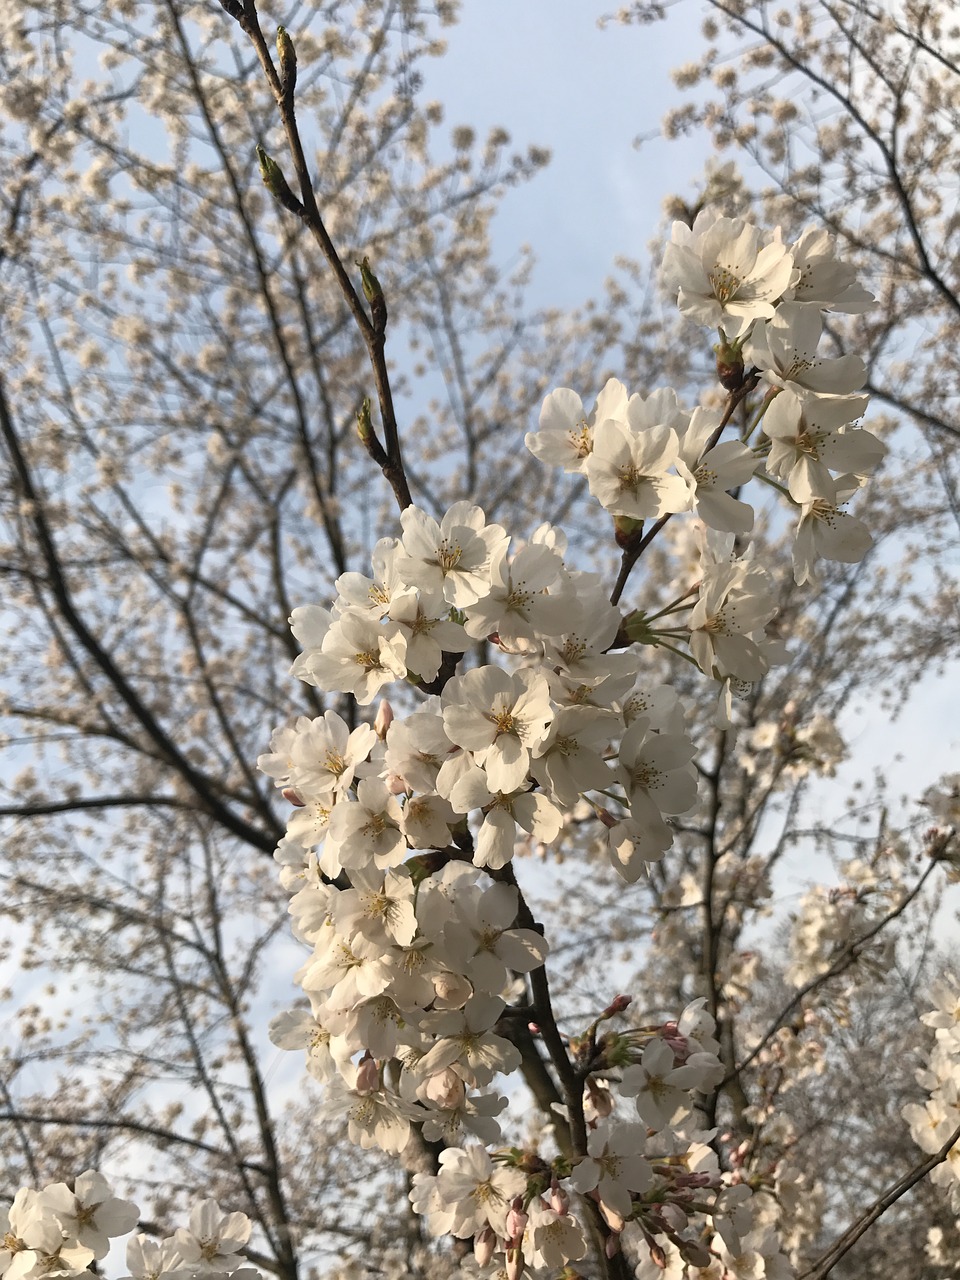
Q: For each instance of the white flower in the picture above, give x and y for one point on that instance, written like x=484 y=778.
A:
x=519 y=607
x=501 y=718
x=150 y=1259
x=660 y=1088
x=728 y=621
x=368 y=830
x=725 y=279
x=806 y=443
x=656 y=773
x=476 y=1190
x=91 y=1214
x=565 y=437
x=826 y=532
x=614 y=1165
x=727 y=465
x=627 y=470
x=359 y=655
x=825 y=281
x=784 y=349
x=451 y=558
x=554 y=1239
x=214 y=1238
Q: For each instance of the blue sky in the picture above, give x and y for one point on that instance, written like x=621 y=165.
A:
x=543 y=70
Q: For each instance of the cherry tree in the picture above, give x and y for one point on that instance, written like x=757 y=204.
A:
x=600 y=670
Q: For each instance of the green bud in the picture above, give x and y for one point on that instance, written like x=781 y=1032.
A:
x=276 y=183
x=364 y=421
x=373 y=293
x=288 y=62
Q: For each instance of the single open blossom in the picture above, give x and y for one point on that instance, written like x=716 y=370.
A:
x=809 y=438
x=478 y=1191
x=451 y=558
x=90 y=1215
x=526 y=601
x=724 y=275
x=501 y=718
x=784 y=349
x=827 y=532
x=565 y=437
x=358 y=655
x=824 y=280
x=726 y=465
x=629 y=471
x=614 y=1165
x=213 y=1239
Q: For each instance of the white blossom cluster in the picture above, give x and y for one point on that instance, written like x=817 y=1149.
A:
x=398 y=851
x=649 y=458
x=66 y=1231
x=938 y=1119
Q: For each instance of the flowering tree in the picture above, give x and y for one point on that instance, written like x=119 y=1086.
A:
x=628 y=716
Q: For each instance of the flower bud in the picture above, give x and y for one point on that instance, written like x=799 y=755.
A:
x=516 y=1221
x=293 y=796
x=368 y=1075
x=384 y=719
x=445 y=1089
x=484 y=1246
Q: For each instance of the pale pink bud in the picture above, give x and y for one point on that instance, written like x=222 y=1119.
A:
x=516 y=1220
x=453 y=990
x=368 y=1075
x=657 y=1256
x=395 y=784
x=484 y=1246
x=292 y=795
x=383 y=720
x=612 y=1246
x=445 y=1089
x=557 y=1198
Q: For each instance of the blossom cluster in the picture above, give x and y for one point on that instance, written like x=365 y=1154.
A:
x=398 y=852
x=66 y=1231
x=648 y=458
x=938 y=1119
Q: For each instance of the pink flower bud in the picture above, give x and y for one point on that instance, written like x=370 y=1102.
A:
x=516 y=1220
x=368 y=1075
x=484 y=1246
x=617 y=1005
x=453 y=990
x=557 y=1198
x=612 y=1246
x=292 y=795
x=657 y=1256
x=395 y=784
x=384 y=719
x=445 y=1089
